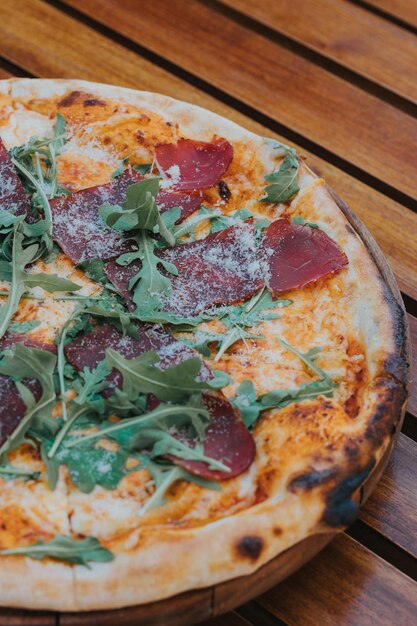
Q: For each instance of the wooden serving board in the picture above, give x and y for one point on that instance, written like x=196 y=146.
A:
x=199 y=605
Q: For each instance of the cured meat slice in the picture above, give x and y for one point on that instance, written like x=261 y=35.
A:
x=13 y=197
x=227 y=440
x=188 y=202
x=220 y=269
x=12 y=407
x=191 y=165
x=78 y=227
x=82 y=234
x=89 y=349
x=295 y=255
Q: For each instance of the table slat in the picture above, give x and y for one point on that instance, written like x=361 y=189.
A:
x=347 y=585
x=392 y=507
x=97 y=58
x=343 y=32
x=405 y=10
x=229 y=619
x=266 y=76
x=412 y=404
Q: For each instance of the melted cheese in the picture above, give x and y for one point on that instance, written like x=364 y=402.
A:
x=103 y=133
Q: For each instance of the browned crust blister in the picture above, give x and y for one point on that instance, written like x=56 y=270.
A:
x=158 y=561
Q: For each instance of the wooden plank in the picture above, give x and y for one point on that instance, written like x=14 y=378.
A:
x=412 y=403
x=345 y=585
x=392 y=507
x=229 y=619
x=277 y=82
x=97 y=58
x=346 y=33
x=404 y=10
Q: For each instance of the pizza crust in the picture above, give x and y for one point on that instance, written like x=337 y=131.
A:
x=155 y=562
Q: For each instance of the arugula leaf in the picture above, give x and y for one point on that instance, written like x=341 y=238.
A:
x=139 y=211
x=9 y=472
x=143 y=168
x=284 y=181
x=188 y=227
x=94 y=269
x=94 y=381
x=164 y=477
x=301 y=220
x=308 y=358
x=20 y=258
x=36 y=160
x=250 y=406
x=63 y=548
x=21 y=280
x=165 y=415
x=236 y=319
x=21 y=363
x=149 y=285
x=164 y=443
x=20 y=328
x=170 y=384
x=88 y=466
x=50 y=282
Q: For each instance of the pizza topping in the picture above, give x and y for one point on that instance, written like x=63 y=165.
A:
x=236 y=320
x=250 y=405
x=89 y=349
x=15 y=271
x=283 y=183
x=296 y=255
x=29 y=372
x=63 y=548
x=12 y=406
x=220 y=269
x=226 y=440
x=78 y=227
x=12 y=194
x=187 y=202
x=36 y=161
x=190 y=165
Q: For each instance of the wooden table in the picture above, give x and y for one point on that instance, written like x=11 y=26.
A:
x=337 y=79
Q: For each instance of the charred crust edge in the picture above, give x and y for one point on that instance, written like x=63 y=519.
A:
x=309 y=480
x=341 y=509
x=250 y=547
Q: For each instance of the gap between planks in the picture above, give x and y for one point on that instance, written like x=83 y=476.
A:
x=403 y=15
x=259 y=19
x=97 y=23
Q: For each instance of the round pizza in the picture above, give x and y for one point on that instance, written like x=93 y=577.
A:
x=200 y=362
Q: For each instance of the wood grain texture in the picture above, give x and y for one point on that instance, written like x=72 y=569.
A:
x=343 y=32
x=405 y=10
x=97 y=58
x=182 y=610
x=392 y=507
x=412 y=404
x=346 y=585
x=230 y=619
x=284 y=86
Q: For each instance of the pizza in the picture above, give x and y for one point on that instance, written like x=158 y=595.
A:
x=200 y=362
